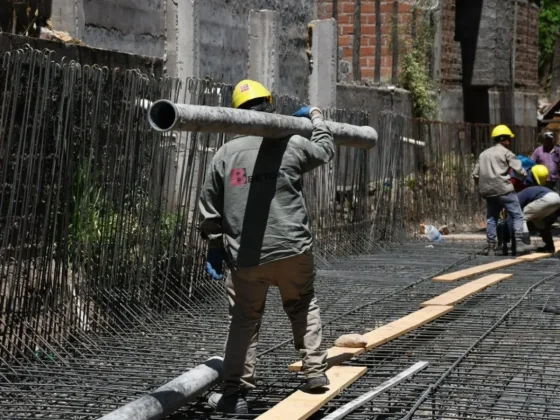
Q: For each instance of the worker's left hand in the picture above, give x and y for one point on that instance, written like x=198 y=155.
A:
x=215 y=262
x=304 y=111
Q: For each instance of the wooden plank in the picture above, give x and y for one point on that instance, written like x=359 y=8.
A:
x=302 y=405
x=368 y=396
x=335 y=356
x=384 y=334
x=534 y=257
x=462 y=292
x=404 y=325
x=479 y=269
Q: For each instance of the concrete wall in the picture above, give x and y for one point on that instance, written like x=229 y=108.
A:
x=133 y=26
x=216 y=32
x=374 y=100
x=86 y=55
x=525 y=108
x=491 y=66
x=223 y=37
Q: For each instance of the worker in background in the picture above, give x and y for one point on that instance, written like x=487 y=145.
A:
x=253 y=198
x=549 y=155
x=491 y=174
x=537 y=176
x=540 y=207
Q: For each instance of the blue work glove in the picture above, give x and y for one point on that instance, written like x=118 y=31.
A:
x=215 y=263
x=303 y=112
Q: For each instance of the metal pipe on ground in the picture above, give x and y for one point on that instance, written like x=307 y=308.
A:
x=165 y=115
x=170 y=397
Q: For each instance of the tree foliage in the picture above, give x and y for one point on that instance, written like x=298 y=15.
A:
x=549 y=30
x=414 y=74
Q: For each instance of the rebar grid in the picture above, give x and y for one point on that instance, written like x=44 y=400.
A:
x=109 y=369
x=103 y=295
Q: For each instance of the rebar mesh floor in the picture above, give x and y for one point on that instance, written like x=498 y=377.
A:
x=496 y=355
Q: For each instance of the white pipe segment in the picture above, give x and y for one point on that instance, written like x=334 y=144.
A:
x=165 y=115
x=170 y=397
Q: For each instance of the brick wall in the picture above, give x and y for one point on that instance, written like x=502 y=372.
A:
x=526 y=58
x=450 y=66
x=451 y=70
x=368 y=40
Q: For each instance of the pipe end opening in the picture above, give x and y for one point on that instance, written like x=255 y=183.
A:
x=163 y=115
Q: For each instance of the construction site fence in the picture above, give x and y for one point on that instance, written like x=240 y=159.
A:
x=98 y=213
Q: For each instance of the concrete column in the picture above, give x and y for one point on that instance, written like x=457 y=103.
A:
x=182 y=46
x=68 y=16
x=322 y=80
x=182 y=61
x=264 y=48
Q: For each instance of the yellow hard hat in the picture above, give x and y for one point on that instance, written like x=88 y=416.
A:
x=247 y=90
x=540 y=173
x=502 y=130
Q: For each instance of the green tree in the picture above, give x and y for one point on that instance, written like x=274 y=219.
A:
x=549 y=30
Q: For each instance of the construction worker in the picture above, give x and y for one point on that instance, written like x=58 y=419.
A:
x=537 y=176
x=253 y=198
x=549 y=155
x=491 y=174
x=540 y=207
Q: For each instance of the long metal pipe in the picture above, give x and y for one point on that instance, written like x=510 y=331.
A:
x=173 y=395
x=165 y=115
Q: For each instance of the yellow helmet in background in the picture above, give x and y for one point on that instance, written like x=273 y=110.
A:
x=540 y=173
x=502 y=130
x=247 y=90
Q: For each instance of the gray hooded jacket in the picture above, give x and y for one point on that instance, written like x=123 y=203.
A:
x=253 y=195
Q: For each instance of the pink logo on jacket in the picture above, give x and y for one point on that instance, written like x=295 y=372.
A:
x=238 y=177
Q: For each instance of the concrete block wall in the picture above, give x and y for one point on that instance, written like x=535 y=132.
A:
x=223 y=37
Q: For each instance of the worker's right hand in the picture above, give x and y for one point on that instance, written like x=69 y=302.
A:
x=215 y=263
x=304 y=111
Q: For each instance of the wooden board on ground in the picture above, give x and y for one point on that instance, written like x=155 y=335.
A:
x=384 y=334
x=479 y=269
x=404 y=325
x=301 y=405
x=462 y=292
x=534 y=257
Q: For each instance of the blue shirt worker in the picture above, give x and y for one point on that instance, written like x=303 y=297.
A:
x=253 y=199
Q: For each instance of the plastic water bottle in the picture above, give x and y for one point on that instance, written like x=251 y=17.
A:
x=433 y=234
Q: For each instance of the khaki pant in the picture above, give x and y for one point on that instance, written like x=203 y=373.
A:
x=539 y=209
x=247 y=288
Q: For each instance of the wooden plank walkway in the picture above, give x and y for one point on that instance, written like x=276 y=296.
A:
x=384 y=334
x=302 y=405
x=462 y=292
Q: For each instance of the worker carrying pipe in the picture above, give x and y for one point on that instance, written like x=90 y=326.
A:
x=253 y=199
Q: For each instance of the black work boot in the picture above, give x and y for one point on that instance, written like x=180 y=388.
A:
x=489 y=248
x=316 y=382
x=230 y=404
x=547 y=249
